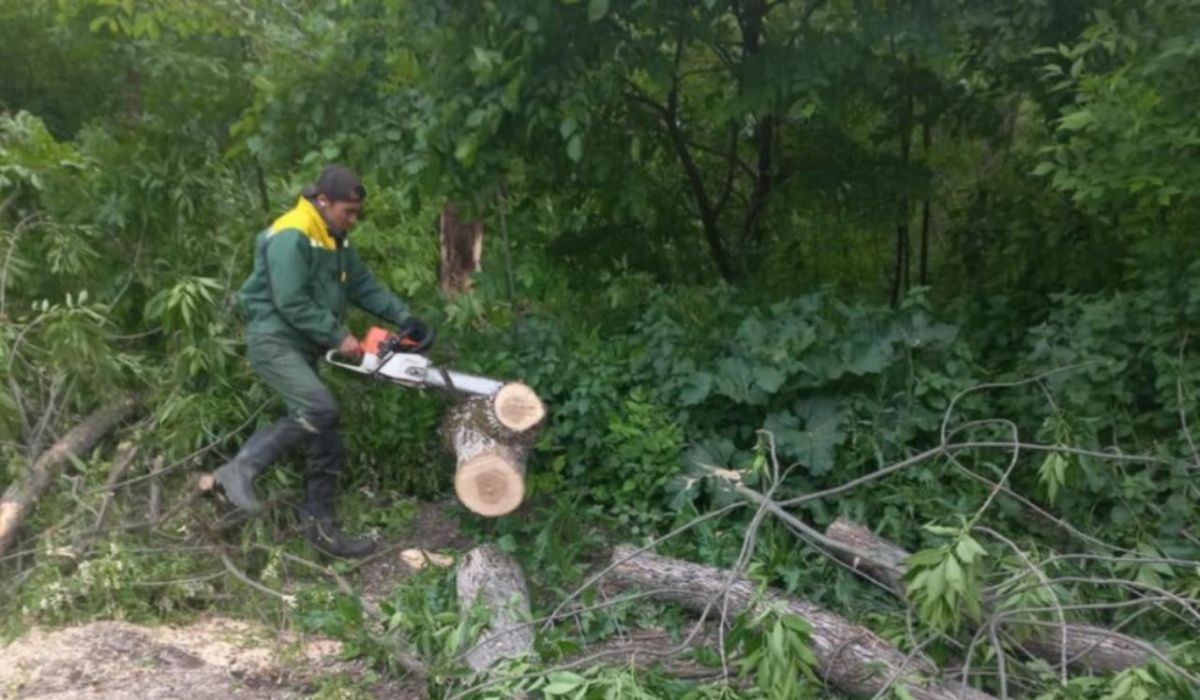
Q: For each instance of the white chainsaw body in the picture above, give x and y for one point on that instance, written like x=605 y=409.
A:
x=415 y=370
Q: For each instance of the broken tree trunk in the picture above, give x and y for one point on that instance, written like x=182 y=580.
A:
x=1093 y=648
x=490 y=437
x=850 y=657
x=494 y=579
x=462 y=250
x=21 y=495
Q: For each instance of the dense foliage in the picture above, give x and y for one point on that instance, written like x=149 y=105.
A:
x=803 y=236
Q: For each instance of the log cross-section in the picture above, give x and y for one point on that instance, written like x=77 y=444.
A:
x=851 y=657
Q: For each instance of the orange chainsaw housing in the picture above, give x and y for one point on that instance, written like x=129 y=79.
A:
x=377 y=337
x=374 y=338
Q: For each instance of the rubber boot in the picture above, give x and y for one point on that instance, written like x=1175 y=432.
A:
x=236 y=479
x=324 y=534
x=317 y=512
x=265 y=446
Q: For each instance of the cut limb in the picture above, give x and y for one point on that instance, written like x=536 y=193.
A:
x=491 y=578
x=850 y=657
x=21 y=495
x=490 y=438
x=1093 y=648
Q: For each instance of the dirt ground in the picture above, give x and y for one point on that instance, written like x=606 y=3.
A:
x=214 y=657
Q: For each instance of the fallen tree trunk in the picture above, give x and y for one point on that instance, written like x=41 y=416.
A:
x=21 y=495
x=850 y=657
x=647 y=649
x=1093 y=648
x=490 y=437
x=490 y=577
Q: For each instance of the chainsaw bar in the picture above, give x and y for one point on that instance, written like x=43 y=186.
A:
x=410 y=369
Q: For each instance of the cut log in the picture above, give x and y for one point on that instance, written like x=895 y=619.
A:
x=517 y=408
x=21 y=495
x=490 y=577
x=1093 y=648
x=850 y=657
x=490 y=437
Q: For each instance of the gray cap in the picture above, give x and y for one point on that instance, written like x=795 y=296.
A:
x=338 y=183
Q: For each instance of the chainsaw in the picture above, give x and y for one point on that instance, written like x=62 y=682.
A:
x=388 y=357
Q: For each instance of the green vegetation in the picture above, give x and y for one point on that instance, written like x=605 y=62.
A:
x=798 y=240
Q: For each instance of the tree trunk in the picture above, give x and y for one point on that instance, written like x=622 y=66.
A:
x=1093 y=648
x=21 y=495
x=462 y=250
x=494 y=579
x=490 y=437
x=850 y=657
x=923 y=274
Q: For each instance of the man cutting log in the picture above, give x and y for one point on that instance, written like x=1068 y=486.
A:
x=305 y=275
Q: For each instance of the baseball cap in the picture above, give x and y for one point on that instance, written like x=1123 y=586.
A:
x=340 y=184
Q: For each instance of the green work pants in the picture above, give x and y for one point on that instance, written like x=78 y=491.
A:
x=312 y=420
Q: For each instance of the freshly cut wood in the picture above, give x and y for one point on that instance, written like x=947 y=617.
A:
x=518 y=408
x=490 y=437
x=850 y=657
x=494 y=579
x=21 y=495
x=1093 y=648
x=492 y=483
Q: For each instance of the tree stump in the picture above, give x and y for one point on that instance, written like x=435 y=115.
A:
x=490 y=437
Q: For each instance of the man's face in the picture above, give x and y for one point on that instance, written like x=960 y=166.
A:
x=340 y=214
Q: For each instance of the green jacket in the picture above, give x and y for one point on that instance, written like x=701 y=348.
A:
x=303 y=278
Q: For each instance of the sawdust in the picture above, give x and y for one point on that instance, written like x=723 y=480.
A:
x=215 y=657
x=212 y=658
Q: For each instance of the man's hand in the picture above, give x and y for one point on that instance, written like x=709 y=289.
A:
x=350 y=348
x=419 y=336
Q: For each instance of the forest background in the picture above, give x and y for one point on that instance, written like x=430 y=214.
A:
x=827 y=233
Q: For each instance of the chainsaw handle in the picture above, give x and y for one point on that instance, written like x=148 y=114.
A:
x=333 y=358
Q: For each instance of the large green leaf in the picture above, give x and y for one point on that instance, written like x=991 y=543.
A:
x=809 y=433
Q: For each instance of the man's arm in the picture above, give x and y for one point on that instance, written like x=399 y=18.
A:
x=371 y=296
x=287 y=270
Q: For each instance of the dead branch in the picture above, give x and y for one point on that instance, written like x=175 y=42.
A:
x=20 y=497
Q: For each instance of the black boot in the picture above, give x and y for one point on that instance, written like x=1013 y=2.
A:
x=324 y=534
x=237 y=476
x=317 y=513
x=236 y=479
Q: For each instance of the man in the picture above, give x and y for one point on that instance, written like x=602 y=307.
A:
x=305 y=273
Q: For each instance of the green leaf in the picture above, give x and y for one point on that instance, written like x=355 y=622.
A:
x=698 y=387
x=1076 y=121
x=768 y=378
x=955 y=577
x=597 y=9
x=733 y=379
x=967 y=550
x=1043 y=168
x=575 y=148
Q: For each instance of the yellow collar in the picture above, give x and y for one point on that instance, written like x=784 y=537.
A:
x=305 y=217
